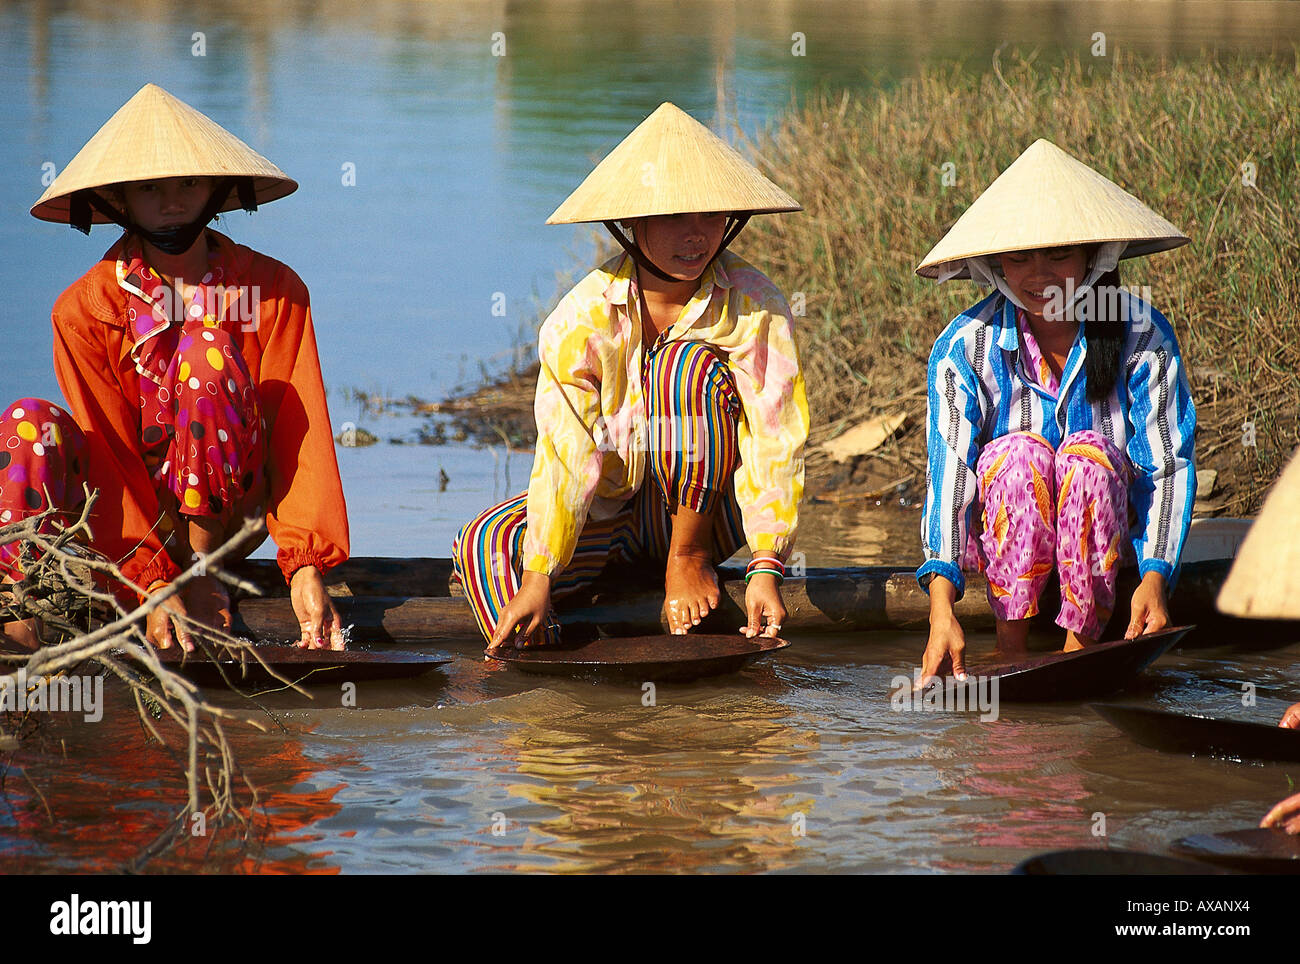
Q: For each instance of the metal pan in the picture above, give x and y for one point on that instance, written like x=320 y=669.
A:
x=1203 y=735
x=1260 y=850
x=1086 y=673
x=305 y=666
x=1080 y=862
x=644 y=658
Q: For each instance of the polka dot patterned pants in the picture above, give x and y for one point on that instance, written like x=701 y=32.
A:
x=42 y=464
x=208 y=412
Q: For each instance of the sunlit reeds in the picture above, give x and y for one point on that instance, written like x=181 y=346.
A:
x=1211 y=144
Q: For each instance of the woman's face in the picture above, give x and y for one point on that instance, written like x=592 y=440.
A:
x=680 y=244
x=1043 y=278
x=166 y=202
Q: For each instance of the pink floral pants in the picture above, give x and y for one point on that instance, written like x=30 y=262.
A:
x=1043 y=511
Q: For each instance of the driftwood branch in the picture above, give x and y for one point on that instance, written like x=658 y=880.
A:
x=69 y=589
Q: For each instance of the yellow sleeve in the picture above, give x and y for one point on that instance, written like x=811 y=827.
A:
x=770 y=479
x=567 y=464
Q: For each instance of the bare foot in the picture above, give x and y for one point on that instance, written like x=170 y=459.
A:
x=1074 y=642
x=1013 y=639
x=690 y=590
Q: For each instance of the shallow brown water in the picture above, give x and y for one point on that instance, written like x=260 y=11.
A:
x=798 y=764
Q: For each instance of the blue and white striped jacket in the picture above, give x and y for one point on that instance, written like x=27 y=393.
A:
x=978 y=391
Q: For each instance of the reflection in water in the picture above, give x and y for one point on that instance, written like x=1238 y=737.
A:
x=704 y=780
x=663 y=788
x=483 y=769
x=1029 y=770
x=585 y=777
x=853 y=534
x=93 y=798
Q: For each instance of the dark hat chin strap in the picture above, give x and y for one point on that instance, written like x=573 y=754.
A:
x=174 y=240
x=734 y=226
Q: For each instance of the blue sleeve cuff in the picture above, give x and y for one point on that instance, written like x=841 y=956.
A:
x=949 y=570
x=1162 y=567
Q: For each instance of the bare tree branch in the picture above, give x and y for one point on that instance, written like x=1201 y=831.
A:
x=72 y=591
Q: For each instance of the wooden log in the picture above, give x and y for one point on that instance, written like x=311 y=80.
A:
x=844 y=600
x=360 y=576
x=826 y=600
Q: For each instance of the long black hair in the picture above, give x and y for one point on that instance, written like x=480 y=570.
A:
x=1106 y=335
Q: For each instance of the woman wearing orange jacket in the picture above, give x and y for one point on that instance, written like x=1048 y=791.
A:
x=189 y=364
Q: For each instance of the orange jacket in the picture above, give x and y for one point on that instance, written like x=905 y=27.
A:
x=306 y=515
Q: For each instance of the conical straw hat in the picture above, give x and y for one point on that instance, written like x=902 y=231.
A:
x=671 y=164
x=1044 y=200
x=155 y=135
x=1265 y=580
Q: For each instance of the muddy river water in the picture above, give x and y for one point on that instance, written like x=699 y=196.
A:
x=428 y=163
x=800 y=763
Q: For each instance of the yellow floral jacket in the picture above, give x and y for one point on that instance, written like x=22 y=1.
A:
x=591 y=410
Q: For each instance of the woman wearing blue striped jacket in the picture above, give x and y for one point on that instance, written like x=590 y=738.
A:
x=1060 y=425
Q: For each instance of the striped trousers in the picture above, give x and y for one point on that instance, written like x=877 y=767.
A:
x=692 y=410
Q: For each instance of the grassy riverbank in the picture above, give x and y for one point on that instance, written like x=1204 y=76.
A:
x=1211 y=144
x=1182 y=137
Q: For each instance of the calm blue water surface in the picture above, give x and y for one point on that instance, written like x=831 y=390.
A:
x=460 y=154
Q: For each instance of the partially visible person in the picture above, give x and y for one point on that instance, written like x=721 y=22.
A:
x=1264 y=583
x=1286 y=814
x=189 y=365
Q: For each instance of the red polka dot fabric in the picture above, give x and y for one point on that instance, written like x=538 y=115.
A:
x=42 y=463
x=202 y=434
x=201 y=422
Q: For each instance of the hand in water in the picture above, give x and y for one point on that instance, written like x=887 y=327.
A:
x=166 y=625
x=525 y=614
x=319 y=620
x=1150 y=607
x=1291 y=718
x=1285 y=816
x=764 y=606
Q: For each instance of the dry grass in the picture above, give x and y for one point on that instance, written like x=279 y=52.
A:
x=868 y=170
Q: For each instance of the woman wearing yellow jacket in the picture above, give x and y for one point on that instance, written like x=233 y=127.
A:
x=671 y=413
